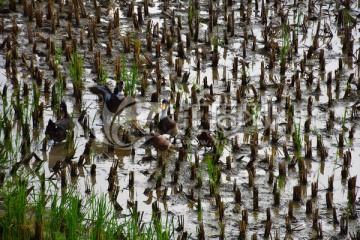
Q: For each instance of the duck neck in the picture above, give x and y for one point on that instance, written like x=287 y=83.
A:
x=65 y=112
x=120 y=95
x=164 y=113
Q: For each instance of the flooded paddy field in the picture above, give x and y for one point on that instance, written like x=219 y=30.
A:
x=259 y=101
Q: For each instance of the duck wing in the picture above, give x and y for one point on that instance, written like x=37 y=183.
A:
x=64 y=123
x=101 y=90
x=113 y=104
x=118 y=103
x=54 y=132
x=161 y=143
x=166 y=124
x=59 y=135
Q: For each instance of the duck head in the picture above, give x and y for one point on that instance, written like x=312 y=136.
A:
x=164 y=108
x=119 y=90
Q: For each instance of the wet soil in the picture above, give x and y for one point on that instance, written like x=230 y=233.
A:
x=271 y=37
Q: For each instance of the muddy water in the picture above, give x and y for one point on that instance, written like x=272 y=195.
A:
x=178 y=203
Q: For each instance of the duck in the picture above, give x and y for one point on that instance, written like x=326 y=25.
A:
x=167 y=125
x=112 y=99
x=158 y=141
x=205 y=139
x=57 y=131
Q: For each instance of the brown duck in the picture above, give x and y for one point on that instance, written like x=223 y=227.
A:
x=57 y=130
x=167 y=125
x=205 y=139
x=158 y=141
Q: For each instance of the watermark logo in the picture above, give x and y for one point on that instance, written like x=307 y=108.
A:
x=112 y=123
x=227 y=121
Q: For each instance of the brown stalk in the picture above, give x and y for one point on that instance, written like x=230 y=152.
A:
x=297 y=193
x=308 y=207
